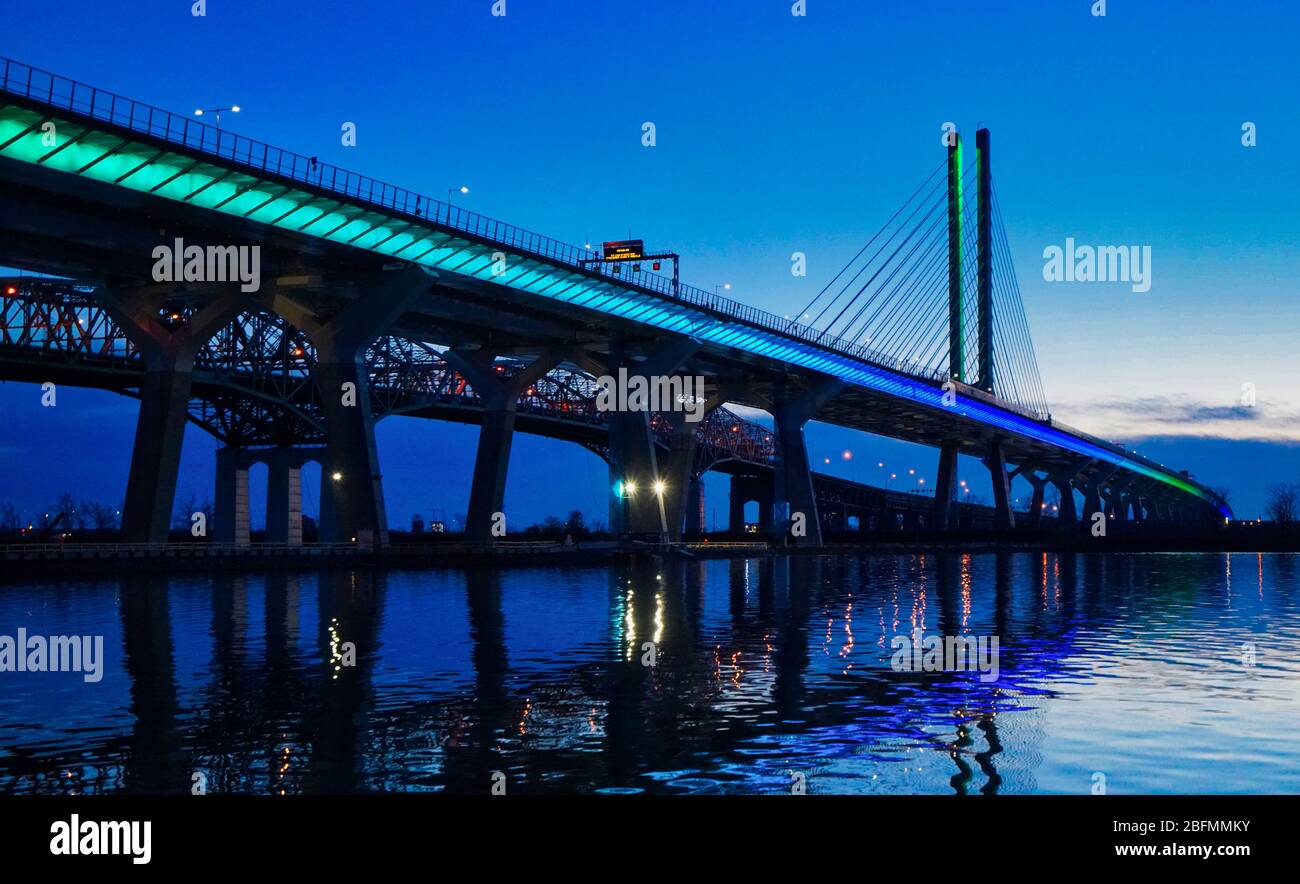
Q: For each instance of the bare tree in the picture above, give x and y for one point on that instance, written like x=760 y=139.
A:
x=99 y=516
x=66 y=506
x=10 y=519
x=1282 y=501
x=185 y=510
x=183 y=517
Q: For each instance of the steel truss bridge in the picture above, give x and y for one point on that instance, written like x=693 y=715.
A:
x=425 y=308
x=253 y=390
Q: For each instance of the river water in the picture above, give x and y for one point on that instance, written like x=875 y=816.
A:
x=1123 y=673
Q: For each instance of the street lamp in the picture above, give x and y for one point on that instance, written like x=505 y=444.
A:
x=451 y=190
x=198 y=112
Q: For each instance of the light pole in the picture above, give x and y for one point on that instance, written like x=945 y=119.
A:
x=660 y=488
x=853 y=468
x=198 y=112
x=451 y=190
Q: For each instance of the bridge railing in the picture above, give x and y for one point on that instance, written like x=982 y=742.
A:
x=21 y=79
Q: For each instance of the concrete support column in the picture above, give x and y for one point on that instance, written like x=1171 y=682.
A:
x=736 y=507
x=230 y=500
x=794 y=495
x=500 y=395
x=352 y=496
x=1067 y=516
x=1036 y=502
x=1004 y=518
x=695 y=522
x=677 y=471
x=350 y=475
x=944 y=490
x=639 y=492
x=1129 y=503
x=1091 y=501
x=156 y=455
x=168 y=347
x=283 y=499
x=634 y=474
x=487 y=490
x=1116 y=505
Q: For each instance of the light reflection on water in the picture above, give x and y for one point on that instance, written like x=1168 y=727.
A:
x=1136 y=667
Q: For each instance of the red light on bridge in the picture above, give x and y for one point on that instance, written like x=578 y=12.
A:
x=11 y=291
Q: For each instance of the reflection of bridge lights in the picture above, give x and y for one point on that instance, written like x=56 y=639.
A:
x=336 y=652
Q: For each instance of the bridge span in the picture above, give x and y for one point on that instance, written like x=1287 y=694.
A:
x=367 y=277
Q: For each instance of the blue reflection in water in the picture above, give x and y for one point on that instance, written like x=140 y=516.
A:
x=1154 y=673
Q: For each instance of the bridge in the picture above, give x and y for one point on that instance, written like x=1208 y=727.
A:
x=374 y=300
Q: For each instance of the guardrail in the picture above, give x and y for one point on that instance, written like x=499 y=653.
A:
x=12 y=549
x=29 y=82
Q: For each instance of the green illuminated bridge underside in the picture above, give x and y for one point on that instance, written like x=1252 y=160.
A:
x=345 y=212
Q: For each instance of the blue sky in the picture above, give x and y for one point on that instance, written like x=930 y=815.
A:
x=775 y=134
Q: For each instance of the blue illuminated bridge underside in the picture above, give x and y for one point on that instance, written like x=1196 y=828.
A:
x=117 y=156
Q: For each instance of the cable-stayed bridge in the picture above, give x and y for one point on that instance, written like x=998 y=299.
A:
x=921 y=337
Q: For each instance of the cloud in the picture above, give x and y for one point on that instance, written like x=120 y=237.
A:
x=1142 y=416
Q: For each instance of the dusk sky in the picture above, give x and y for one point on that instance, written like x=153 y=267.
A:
x=775 y=134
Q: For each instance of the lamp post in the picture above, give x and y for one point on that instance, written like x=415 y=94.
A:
x=198 y=112
x=660 y=488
